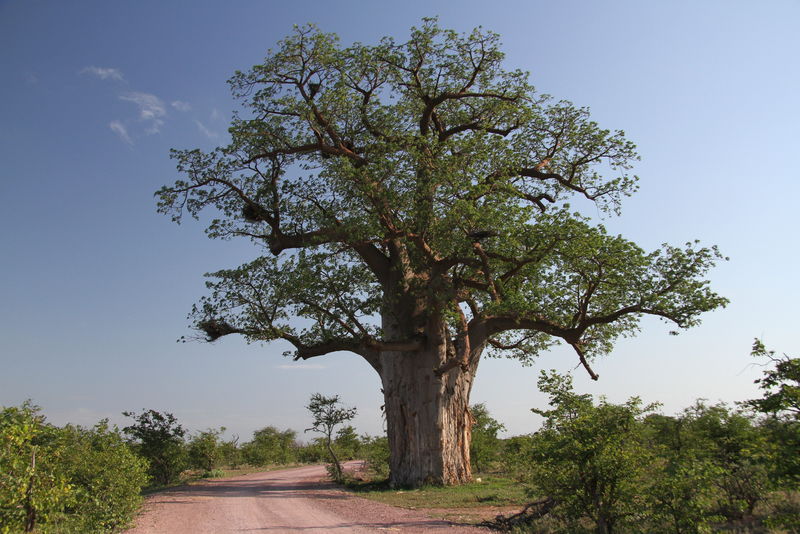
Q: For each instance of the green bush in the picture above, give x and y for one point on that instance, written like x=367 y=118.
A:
x=780 y=404
x=375 y=452
x=106 y=476
x=347 y=443
x=32 y=487
x=69 y=479
x=158 y=438
x=738 y=448
x=485 y=446
x=589 y=458
x=231 y=453
x=205 y=449
x=313 y=452
x=270 y=446
x=514 y=455
x=613 y=468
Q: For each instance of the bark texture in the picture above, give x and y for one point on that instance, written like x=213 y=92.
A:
x=428 y=422
x=427 y=418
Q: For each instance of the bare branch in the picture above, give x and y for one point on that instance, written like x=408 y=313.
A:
x=585 y=363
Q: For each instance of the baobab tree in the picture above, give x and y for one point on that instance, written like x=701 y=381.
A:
x=408 y=202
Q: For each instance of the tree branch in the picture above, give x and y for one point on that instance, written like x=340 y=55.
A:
x=585 y=363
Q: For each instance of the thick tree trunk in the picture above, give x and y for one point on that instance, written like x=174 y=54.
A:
x=427 y=418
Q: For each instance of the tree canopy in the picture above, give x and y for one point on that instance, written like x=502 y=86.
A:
x=780 y=384
x=426 y=165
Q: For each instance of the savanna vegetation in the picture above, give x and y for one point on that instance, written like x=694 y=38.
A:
x=67 y=479
x=73 y=479
x=601 y=467
x=593 y=466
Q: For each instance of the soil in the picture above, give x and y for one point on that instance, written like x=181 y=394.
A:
x=289 y=500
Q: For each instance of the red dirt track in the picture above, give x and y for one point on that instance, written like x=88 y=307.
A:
x=290 y=500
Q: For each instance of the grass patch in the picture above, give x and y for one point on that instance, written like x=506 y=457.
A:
x=493 y=490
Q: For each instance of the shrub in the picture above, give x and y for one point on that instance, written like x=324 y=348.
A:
x=159 y=439
x=270 y=446
x=347 y=443
x=69 y=479
x=740 y=451
x=485 y=446
x=588 y=457
x=514 y=455
x=32 y=487
x=106 y=476
x=375 y=452
x=680 y=490
x=205 y=449
x=313 y=452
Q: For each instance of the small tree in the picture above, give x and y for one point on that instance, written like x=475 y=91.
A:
x=680 y=486
x=159 y=439
x=780 y=384
x=32 y=487
x=485 y=444
x=205 y=449
x=589 y=457
x=106 y=476
x=328 y=414
x=270 y=446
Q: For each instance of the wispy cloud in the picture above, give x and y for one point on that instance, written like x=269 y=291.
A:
x=215 y=114
x=301 y=366
x=151 y=109
x=31 y=78
x=118 y=128
x=208 y=133
x=180 y=105
x=104 y=73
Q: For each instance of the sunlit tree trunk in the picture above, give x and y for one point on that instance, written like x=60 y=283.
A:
x=427 y=415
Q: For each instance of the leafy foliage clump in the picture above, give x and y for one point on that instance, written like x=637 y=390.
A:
x=485 y=445
x=69 y=479
x=780 y=384
x=375 y=451
x=604 y=467
x=159 y=438
x=270 y=446
x=206 y=449
x=588 y=456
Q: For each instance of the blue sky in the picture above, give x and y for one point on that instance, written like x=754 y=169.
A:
x=96 y=285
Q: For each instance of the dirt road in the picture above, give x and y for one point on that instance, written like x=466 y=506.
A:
x=290 y=500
